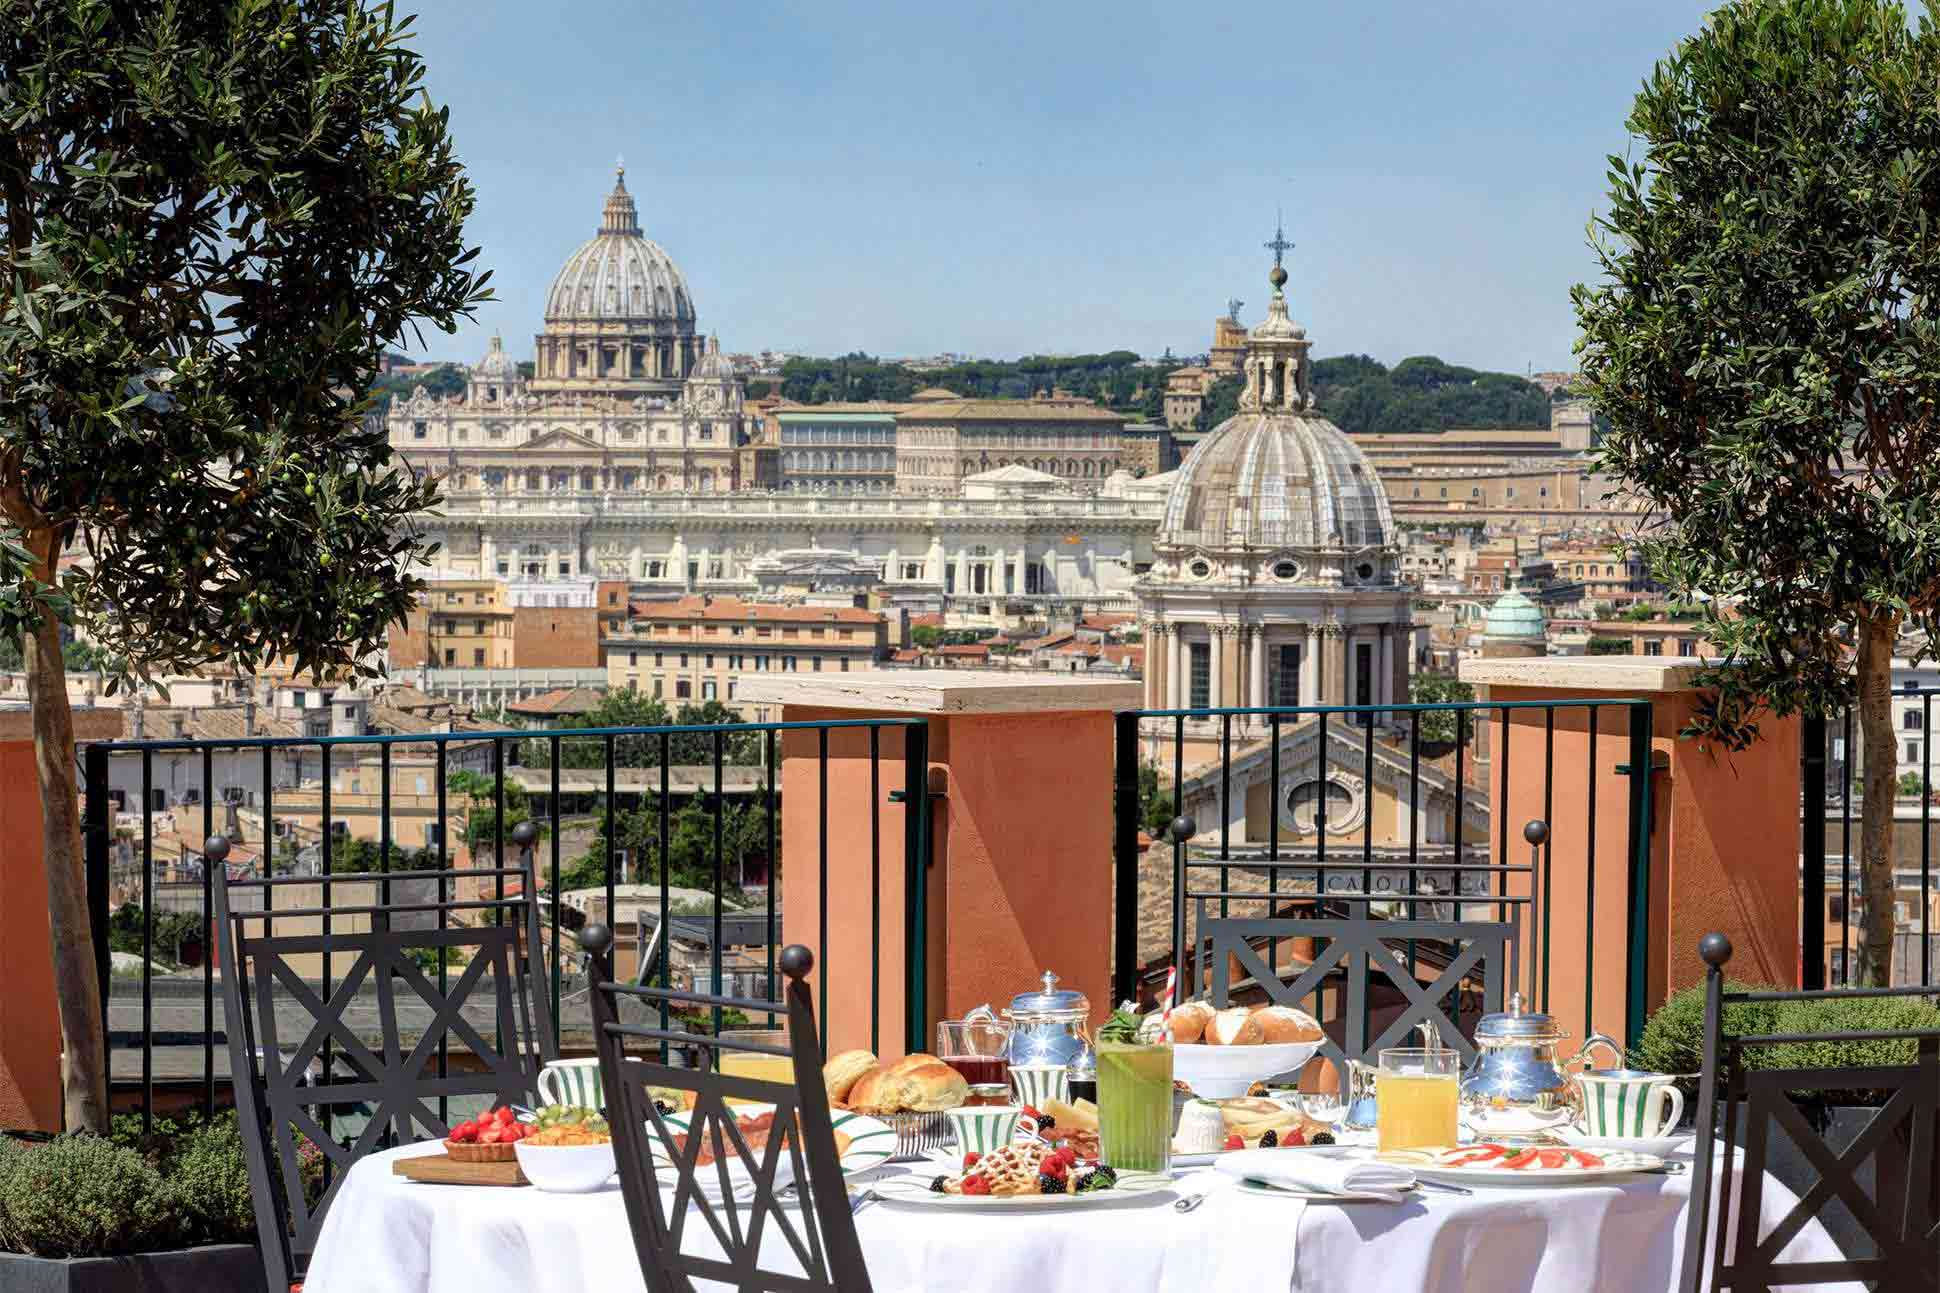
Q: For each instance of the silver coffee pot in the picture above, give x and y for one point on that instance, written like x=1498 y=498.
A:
x=1516 y=1069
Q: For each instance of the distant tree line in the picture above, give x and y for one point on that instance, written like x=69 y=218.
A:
x=1114 y=379
x=1362 y=396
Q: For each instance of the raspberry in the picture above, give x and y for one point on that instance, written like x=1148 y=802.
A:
x=971 y=1159
x=1270 y=1139
x=1055 y=1166
x=1067 y=1154
x=1236 y=1141
x=1295 y=1137
x=1030 y=1111
x=975 y=1185
x=1050 y=1185
x=1322 y=1138
x=936 y=1186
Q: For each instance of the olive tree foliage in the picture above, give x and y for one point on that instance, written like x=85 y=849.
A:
x=1765 y=345
x=217 y=214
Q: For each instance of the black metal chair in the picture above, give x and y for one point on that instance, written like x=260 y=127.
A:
x=282 y=1027
x=1359 y=948
x=664 y=1190
x=1903 y=1224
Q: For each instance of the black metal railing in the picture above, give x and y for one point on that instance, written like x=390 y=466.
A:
x=320 y=805
x=1291 y=864
x=1831 y=765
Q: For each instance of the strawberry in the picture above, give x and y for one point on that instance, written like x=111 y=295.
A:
x=1236 y=1141
x=490 y=1136
x=1294 y=1137
x=976 y=1185
x=971 y=1159
x=504 y=1116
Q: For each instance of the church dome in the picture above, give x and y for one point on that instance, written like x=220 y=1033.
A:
x=1513 y=618
x=620 y=273
x=713 y=365
x=1277 y=476
x=497 y=365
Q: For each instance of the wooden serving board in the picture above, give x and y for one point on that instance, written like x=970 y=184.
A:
x=439 y=1169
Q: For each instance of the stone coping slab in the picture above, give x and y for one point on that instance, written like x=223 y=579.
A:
x=1637 y=675
x=943 y=691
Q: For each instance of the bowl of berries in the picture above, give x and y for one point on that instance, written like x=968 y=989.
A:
x=489 y=1138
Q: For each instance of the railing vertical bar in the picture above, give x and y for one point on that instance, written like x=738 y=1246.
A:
x=324 y=751
x=822 y=883
x=1320 y=813
x=1549 y=818
x=498 y=829
x=774 y=865
x=1414 y=824
x=1845 y=856
x=720 y=822
x=384 y=817
x=609 y=755
x=209 y=940
x=1126 y=819
x=916 y=856
x=1273 y=834
x=1812 y=769
x=875 y=889
x=148 y=899
x=1589 y=882
x=1225 y=808
x=1637 y=953
x=1502 y=827
x=446 y=893
x=1179 y=857
x=664 y=861
x=552 y=818
x=98 y=841
x=1926 y=837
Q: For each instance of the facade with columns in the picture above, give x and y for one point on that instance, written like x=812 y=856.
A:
x=626 y=397
x=1275 y=575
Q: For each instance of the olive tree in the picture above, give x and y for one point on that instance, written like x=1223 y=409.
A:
x=1765 y=346
x=217 y=214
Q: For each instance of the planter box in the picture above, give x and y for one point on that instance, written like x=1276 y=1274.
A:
x=188 y=1270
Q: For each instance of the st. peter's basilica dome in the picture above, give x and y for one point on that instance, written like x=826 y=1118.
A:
x=620 y=273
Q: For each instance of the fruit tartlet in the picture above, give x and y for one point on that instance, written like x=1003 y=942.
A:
x=487 y=1139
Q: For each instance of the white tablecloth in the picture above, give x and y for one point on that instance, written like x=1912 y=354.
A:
x=387 y=1235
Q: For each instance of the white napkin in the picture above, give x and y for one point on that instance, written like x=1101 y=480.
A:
x=1301 y=1169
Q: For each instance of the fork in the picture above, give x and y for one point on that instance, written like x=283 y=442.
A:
x=863 y=1200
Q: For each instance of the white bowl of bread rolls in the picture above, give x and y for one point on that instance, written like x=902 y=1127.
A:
x=1221 y=1053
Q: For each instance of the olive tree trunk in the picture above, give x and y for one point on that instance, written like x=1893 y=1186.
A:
x=77 y=990
x=1877 y=636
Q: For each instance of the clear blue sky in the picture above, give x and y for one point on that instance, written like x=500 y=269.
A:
x=1003 y=179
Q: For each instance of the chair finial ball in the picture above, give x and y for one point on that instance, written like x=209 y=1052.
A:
x=796 y=961
x=216 y=848
x=525 y=833
x=596 y=939
x=1536 y=831
x=1715 y=949
x=1183 y=828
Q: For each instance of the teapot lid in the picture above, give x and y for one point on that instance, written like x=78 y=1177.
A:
x=1517 y=1024
x=1050 y=1000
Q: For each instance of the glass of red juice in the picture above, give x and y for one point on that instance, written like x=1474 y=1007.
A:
x=975 y=1048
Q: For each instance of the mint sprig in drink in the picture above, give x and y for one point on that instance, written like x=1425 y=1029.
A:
x=1135 y=1105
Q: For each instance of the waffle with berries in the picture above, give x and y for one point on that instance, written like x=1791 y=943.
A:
x=1008 y=1171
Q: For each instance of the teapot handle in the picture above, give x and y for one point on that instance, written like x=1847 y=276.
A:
x=1594 y=1040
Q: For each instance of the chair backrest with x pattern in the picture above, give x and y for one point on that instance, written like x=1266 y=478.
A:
x=485 y=1033
x=1902 y=1141
x=1358 y=948
x=724 y=1221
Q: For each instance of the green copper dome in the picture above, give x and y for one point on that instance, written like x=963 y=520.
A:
x=1514 y=618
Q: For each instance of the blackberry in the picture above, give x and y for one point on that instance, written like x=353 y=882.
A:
x=1270 y=1139
x=1101 y=1179
x=1106 y=1174
x=1050 y=1185
x=1045 y=1122
x=1322 y=1138
x=936 y=1186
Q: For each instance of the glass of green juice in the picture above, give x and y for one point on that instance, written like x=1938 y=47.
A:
x=1135 y=1106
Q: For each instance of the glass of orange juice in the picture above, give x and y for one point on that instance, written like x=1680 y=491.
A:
x=1415 y=1098
x=763 y=1068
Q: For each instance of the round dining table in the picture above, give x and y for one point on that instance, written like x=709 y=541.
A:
x=386 y=1234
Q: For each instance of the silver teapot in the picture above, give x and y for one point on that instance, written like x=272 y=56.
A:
x=1050 y=1026
x=1517 y=1077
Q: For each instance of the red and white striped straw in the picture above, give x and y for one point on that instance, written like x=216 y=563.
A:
x=1171 y=989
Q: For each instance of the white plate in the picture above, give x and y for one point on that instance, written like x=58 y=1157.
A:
x=1662 y=1146
x=1495 y=1177
x=1318 y=1196
x=871 y=1142
x=914 y=1190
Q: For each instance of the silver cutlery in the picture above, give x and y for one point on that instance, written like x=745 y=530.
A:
x=863 y=1200
x=1443 y=1186
x=1191 y=1201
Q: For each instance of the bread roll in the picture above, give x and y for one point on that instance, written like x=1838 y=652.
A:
x=922 y=1088
x=1285 y=1024
x=1235 y=1027
x=1189 y=1022
x=866 y=1095
x=843 y=1071
x=914 y=1060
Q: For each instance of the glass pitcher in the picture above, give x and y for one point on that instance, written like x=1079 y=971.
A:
x=1351 y=1108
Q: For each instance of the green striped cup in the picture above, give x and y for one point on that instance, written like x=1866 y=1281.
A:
x=1626 y=1104
x=1037 y=1085
x=572 y=1082
x=981 y=1128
